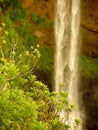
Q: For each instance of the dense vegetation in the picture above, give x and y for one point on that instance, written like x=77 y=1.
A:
x=89 y=67
x=25 y=102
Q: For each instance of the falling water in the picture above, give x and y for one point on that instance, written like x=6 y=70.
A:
x=66 y=35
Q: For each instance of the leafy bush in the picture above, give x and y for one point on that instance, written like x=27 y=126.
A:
x=25 y=103
x=42 y=21
x=17 y=110
x=13 y=8
x=18 y=14
x=5 y=4
x=89 y=67
x=46 y=60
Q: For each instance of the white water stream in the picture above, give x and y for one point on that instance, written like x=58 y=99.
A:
x=66 y=34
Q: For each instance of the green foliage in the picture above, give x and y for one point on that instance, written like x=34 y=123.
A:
x=25 y=103
x=77 y=123
x=13 y=8
x=23 y=31
x=10 y=3
x=25 y=38
x=18 y=14
x=50 y=106
x=89 y=67
x=36 y=18
x=46 y=59
x=42 y=21
x=17 y=111
x=15 y=64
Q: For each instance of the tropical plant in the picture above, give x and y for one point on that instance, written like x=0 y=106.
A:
x=18 y=110
x=25 y=102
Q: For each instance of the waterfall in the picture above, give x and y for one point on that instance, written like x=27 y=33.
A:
x=66 y=58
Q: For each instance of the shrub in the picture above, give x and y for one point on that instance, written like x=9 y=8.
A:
x=17 y=107
x=89 y=67
x=25 y=103
x=42 y=21
x=17 y=110
x=46 y=60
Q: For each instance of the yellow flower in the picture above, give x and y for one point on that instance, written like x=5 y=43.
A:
x=38 y=55
x=35 y=50
x=32 y=47
x=27 y=53
x=3 y=24
x=37 y=46
x=20 y=56
x=6 y=32
x=4 y=41
x=13 y=52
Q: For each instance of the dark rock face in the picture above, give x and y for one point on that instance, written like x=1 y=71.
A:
x=89 y=42
x=89 y=94
x=89 y=25
x=89 y=14
x=89 y=87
